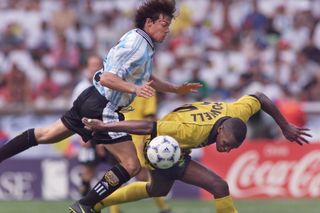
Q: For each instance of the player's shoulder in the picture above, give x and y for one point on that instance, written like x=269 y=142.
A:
x=247 y=98
x=133 y=38
x=247 y=101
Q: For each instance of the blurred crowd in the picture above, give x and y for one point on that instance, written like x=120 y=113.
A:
x=233 y=47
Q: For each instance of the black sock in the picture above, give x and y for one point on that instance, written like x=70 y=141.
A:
x=18 y=144
x=84 y=188
x=111 y=181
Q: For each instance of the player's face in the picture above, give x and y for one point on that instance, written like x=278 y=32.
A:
x=159 y=28
x=225 y=142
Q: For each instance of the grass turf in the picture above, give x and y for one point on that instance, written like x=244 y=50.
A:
x=178 y=206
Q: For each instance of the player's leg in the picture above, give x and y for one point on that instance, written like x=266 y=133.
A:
x=198 y=175
x=112 y=161
x=32 y=137
x=89 y=156
x=119 y=144
x=159 y=201
x=114 y=209
x=144 y=174
x=158 y=186
x=69 y=124
x=132 y=192
x=127 y=167
x=162 y=204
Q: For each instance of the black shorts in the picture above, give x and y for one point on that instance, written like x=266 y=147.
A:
x=176 y=172
x=90 y=103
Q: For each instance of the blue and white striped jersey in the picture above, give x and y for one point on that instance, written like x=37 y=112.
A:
x=131 y=60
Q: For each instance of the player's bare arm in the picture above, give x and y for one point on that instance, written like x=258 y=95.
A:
x=164 y=86
x=145 y=90
x=291 y=132
x=138 y=127
x=114 y=82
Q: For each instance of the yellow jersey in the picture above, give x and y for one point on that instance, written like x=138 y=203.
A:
x=191 y=124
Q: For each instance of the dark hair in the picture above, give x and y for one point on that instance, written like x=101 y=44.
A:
x=237 y=128
x=152 y=9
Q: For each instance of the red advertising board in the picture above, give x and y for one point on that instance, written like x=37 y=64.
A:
x=266 y=169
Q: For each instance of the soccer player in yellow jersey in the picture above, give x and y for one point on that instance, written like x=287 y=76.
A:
x=196 y=125
x=143 y=109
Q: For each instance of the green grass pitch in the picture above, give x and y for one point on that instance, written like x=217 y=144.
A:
x=178 y=206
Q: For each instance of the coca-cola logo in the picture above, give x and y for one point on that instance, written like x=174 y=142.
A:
x=250 y=176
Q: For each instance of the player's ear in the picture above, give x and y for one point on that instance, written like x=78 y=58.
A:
x=220 y=128
x=148 y=22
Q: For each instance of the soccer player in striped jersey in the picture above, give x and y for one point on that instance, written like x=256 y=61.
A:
x=193 y=126
x=126 y=73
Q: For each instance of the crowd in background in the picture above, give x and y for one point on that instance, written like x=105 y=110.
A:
x=233 y=47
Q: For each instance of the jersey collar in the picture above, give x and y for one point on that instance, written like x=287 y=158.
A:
x=146 y=37
x=214 y=131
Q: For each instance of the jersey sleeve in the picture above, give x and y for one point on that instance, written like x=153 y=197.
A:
x=244 y=107
x=126 y=57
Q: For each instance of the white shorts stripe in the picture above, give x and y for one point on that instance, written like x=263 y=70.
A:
x=109 y=116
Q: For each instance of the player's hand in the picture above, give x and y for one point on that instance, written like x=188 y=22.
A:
x=145 y=90
x=296 y=134
x=93 y=124
x=188 y=87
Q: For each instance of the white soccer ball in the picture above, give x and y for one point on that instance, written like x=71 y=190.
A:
x=163 y=152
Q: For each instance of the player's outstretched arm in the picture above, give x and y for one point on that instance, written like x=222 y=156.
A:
x=164 y=86
x=114 y=82
x=291 y=132
x=138 y=127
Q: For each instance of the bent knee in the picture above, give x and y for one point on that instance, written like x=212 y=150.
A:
x=132 y=166
x=219 y=188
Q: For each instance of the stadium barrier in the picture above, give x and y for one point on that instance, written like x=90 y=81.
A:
x=268 y=169
x=55 y=179
x=259 y=169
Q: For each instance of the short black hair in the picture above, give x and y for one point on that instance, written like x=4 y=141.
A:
x=152 y=9
x=237 y=128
